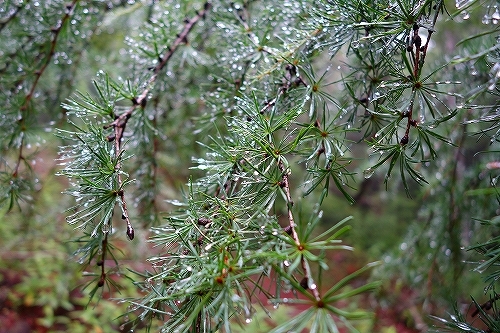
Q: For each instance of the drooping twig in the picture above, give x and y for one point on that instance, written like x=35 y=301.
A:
x=181 y=39
x=418 y=53
x=102 y=261
x=120 y=121
x=285 y=185
x=56 y=30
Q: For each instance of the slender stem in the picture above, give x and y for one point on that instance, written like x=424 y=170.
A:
x=285 y=184
x=102 y=262
x=120 y=121
x=38 y=74
x=181 y=39
x=418 y=57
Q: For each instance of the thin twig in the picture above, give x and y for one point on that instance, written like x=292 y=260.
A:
x=120 y=121
x=38 y=74
x=285 y=184
x=102 y=261
x=418 y=57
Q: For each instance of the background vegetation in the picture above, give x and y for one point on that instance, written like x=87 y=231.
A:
x=179 y=130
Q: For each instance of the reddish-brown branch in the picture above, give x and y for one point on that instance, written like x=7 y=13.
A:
x=120 y=121
x=102 y=261
x=181 y=39
x=285 y=184
x=38 y=74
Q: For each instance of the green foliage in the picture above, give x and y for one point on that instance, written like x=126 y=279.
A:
x=272 y=104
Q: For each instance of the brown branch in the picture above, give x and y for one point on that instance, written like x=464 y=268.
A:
x=181 y=39
x=418 y=57
x=120 y=121
x=38 y=74
x=102 y=261
x=290 y=229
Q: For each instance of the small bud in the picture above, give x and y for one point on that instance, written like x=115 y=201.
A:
x=204 y=221
x=288 y=230
x=303 y=283
x=404 y=140
x=417 y=41
x=130 y=232
x=101 y=280
x=100 y=263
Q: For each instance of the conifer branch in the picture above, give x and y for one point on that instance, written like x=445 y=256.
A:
x=56 y=30
x=120 y=121
x=141 y=100
x=306 y=282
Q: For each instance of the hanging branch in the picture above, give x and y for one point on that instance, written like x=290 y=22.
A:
x=56 y=30
x=306 y=282
x=142 y=98
x=120 y=121
x=418 y=57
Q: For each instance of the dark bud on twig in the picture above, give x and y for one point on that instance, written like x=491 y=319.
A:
x=143 y=102
x=130 y=232
x=303 y=283
x=288 y=230
x=404 y=140
x=418 y=42
x=101 y=280
x=110 y=138
x=204 y=221
x=100 y=263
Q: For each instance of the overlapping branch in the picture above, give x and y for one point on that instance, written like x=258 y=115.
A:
x=120 y=121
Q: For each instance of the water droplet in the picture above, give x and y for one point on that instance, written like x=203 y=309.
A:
x=465 y=15
x=496 y=15
x=368 y=173
x=105 y=228
x=286 y=263
x=355 y=44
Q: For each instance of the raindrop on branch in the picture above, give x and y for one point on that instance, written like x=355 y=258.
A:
x=368 y=173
